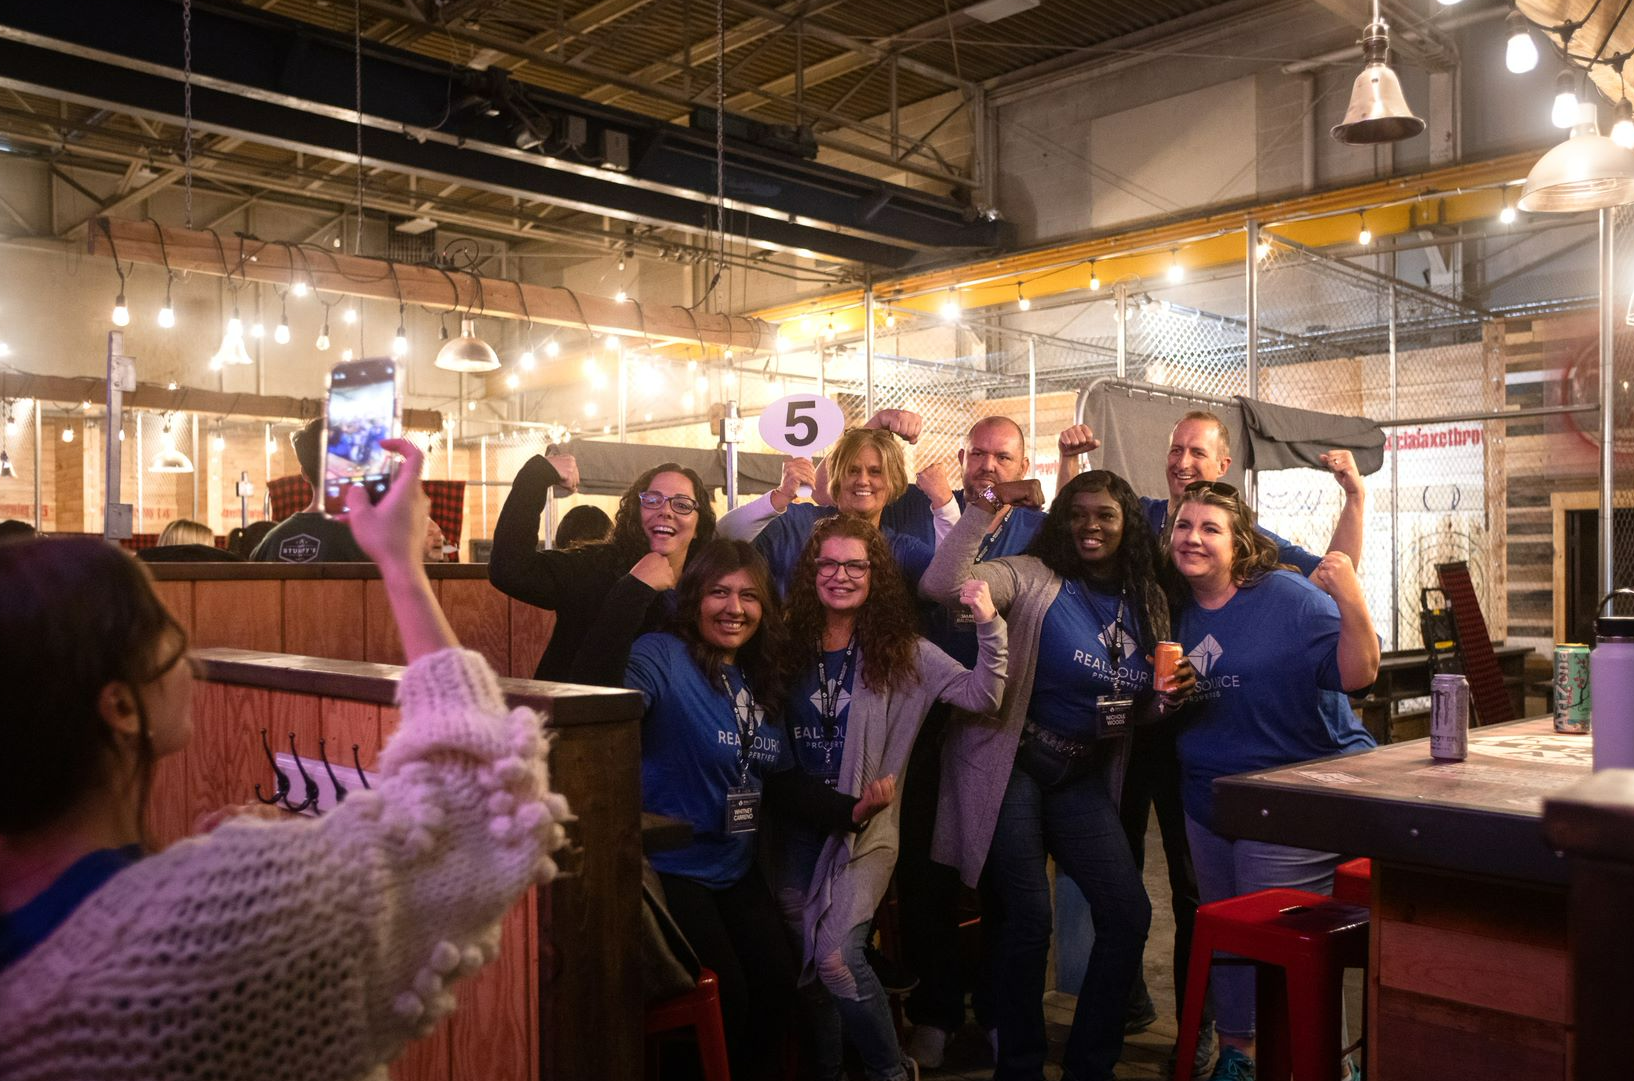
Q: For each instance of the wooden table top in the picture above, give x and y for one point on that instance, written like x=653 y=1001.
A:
x=1482 y=815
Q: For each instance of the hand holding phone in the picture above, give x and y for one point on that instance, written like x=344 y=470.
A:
x=362 y=412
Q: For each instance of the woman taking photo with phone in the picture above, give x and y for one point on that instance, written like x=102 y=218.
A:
x=1085 y=610
x=1277 y=654
x=323 y=945
x=662 y=521
x=862 y=682
x=715 y=753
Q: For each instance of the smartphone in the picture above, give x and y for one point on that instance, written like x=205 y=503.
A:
x=364 y=408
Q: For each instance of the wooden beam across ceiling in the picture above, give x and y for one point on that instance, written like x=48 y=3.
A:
x=281 y=263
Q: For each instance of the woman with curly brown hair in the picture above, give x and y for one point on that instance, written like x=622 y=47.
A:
x=862 y=682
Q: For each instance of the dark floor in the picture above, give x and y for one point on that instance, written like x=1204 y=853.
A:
x=1145 y=1054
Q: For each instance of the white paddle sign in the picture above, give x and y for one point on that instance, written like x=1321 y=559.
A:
x=802 y=425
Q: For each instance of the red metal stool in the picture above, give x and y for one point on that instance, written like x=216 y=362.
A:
x=1353 y=883
x=700 y=1010
x=1311 y=939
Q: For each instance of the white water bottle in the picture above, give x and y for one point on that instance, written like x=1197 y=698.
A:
x=1611 y=688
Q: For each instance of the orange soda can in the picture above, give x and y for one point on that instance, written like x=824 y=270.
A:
x=1164 y=659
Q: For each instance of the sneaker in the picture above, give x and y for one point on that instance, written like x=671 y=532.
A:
x=927 y=1045
x=1233 y=1066
x=893 y=978
x=1202 y=1058
x=1140 y=1017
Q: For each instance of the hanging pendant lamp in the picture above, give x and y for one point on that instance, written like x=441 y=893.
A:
x=1586 y=172
x=1378 y=110
x=467 y=353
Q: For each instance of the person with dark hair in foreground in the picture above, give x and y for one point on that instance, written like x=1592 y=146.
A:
x=11 y=530
x=583 y=524
x=324 y=945
x=309 y=536
x=243 y=539
x=663 y=519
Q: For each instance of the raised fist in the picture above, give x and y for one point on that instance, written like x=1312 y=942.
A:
x=1076 y=440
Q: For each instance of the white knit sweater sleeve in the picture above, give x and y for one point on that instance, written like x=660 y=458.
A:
x=308 y=948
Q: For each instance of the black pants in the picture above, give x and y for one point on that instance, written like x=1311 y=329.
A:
x=738 y=932
x=1153 y=779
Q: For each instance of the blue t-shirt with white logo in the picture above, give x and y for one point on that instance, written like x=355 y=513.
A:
x=689 y=756
x=819 y=743
x=1076 y=663
x=785 y=537
x=1157 y=512
x=1268 y=686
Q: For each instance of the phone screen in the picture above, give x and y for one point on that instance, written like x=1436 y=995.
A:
x=362 y=412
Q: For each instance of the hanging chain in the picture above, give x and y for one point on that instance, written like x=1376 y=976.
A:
x=187 y=112
x=357 y=90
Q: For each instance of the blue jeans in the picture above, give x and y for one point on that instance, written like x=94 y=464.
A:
x=1228 y=868
x=848 y=997
x=1068 y=814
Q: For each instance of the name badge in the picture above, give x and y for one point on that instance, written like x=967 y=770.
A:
x=1114 y=712
x=742 y=810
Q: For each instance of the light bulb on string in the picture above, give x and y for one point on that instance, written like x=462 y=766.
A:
x=890 y=320
x=828 y=332
x=1622 y=132
x=399 y=341
x=552 y=350
x=512 y=381
x=1094 y=280
x=1261 y=250
x=612 y=342
x=167 y=314
x=218 y=442
x=1521 y=55
x=950 y=307
x=1365 y=237
x=346 y=354
x=258 y=329
x=1564 y=114
x=68 y=433
x=300 y=288
x=526 y=361
x=1021 y=299
x=1177 y=273
x=121 y=314
x=322 y=343
x=280 y=333
x=621 y=296
x=349 y=315
x=1507 y=215
x=727 y=355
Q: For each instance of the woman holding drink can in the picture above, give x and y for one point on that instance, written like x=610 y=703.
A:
x=1085 y=611
x=1275 y=656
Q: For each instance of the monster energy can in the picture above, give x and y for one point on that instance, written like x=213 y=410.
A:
x=1572 y=688
x=1449 y=717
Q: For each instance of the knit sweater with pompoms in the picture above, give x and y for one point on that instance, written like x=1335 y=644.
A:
x=306 y=949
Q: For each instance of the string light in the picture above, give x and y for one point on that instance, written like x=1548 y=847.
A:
x=612 y=342
x=890 y=320
x=300 y=288
x=1021 y=299
x=1177 y=273
x=1365 y=237
x=121 y=314
x=950 y=307
x=828 y=332
x=68 y=433
x=1521 y=55
x=346 y=354
x=399 y=341
x=1622 y=132
x=621 y=296
x=552 y=349
x=349 y=316
x=1261 y=250
x=167 y=314
x=280 y=333
x=526 y=361
x=1564 y=114
x=1094 y=280
x=512 y=381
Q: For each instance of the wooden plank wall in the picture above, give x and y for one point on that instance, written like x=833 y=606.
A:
x=1471 y=978
x=348 y=618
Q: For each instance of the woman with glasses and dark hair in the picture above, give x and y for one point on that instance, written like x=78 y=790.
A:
x=862 y=682
x=713 y=744
x=1085 y=609
x=662 y=520
x=323 y=946
x=1276 y=655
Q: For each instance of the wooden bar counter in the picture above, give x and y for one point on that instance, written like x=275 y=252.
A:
x=1469 y=972
x=564 y=998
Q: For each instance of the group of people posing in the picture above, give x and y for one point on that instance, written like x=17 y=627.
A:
x=953 y=685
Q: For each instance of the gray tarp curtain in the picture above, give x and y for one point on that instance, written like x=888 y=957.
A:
x=1134 y=420
x=610 y=468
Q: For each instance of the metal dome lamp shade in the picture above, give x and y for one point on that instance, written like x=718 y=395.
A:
x=171 y=460
x=1586 y=172
x=1378 y=110
x=467 y=353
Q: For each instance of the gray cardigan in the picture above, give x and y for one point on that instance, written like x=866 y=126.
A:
x=977 y=757
x=854 y=869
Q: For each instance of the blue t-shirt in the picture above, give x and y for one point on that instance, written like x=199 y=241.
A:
x=819 y=743
x=23 y=929
x=1157 y=511
x=1011 y=538
x=785 y=537
x=1268 y=686
x=689 y=757
x=1076 y=663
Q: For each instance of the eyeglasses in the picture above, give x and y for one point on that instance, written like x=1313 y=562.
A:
x=680 y=504
x=1217 y=487
x=854 y=568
